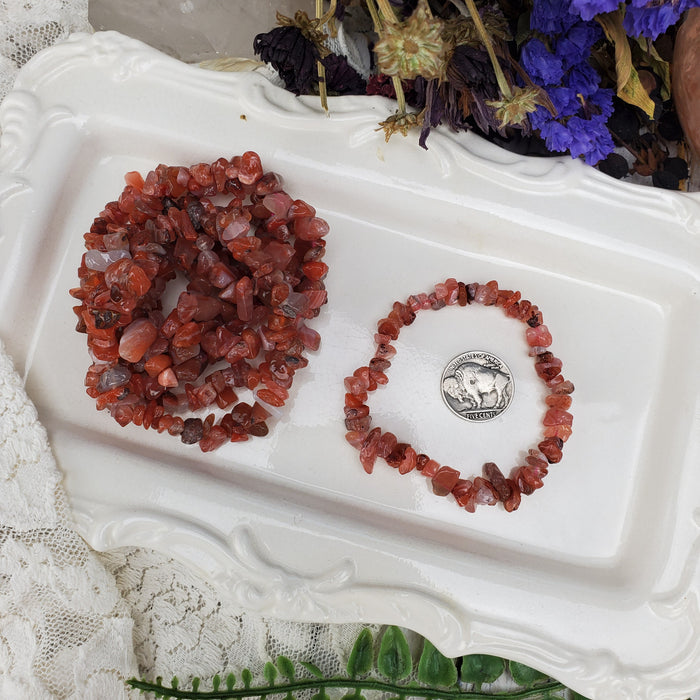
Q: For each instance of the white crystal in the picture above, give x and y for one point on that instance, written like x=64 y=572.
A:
x=100 y=261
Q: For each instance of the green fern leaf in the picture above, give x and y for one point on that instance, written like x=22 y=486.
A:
x=246 y=677
x=524 y=675
x=394 y=658
x=360 y=661
x=312 y=669
x=434 y=669
x=270 y=672
x=216 y=682
x=481 y=668
x=231 y=681
x=285 y=667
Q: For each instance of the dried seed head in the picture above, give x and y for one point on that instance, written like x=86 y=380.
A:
x=414 y=47
x=310 y=29
x=514 y=110
x=400 y=122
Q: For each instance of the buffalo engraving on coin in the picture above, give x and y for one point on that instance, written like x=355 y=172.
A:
x=477 y=385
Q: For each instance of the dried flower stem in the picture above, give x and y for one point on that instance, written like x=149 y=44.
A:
x=626 y=146
x=330 y=12
x=387 y=11
x=374 y=14
x=544 y=98
x=469 y=9
x=329 y=19
x=323 y=93
x=400 y=96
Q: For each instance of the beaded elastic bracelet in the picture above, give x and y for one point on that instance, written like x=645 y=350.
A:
x=493 y=487
x=254 y=275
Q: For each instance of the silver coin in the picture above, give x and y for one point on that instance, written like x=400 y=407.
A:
x=477 y=386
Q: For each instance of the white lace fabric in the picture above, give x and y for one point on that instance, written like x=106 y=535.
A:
x=27 y=26
x=76 y=624
x=183 y=625
x=65 y=631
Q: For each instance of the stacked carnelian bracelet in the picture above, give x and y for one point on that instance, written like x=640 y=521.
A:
x=254 y=276
x=493 y=487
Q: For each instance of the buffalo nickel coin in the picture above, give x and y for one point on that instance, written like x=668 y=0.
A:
x=477 y=386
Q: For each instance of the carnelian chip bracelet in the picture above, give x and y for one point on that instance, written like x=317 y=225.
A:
x=254 y=275
x=493 y=487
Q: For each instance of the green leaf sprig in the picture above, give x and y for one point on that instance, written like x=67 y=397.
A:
x=391 y=671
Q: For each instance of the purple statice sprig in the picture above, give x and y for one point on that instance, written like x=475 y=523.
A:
x=558 y=60
x=588 y=9
x=649 y=18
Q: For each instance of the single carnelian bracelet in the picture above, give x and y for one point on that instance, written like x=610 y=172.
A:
x=493 y=487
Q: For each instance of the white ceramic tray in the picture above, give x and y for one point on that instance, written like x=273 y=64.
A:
x=594 y=580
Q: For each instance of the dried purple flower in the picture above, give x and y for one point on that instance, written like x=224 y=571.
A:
x=470 y=75
x=551 y=16
x=588 y=9
x=582 y=107
x=380 y=84
x=341 y=77
x=650 y=18
x=574 y=47
x=292 y=55
x=442 y=103
x=590 y=139
x=469 y=69
x=556 y=136
x=293 y=50
x=434 y=108
x=541 y=64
